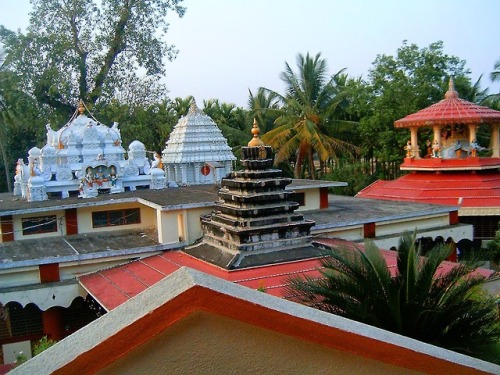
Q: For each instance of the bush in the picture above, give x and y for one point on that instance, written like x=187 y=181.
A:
x=43 y=344
x=355 y=174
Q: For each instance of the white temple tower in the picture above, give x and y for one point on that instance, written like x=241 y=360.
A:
x=197 y=152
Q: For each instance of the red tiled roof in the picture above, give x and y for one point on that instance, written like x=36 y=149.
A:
x=466 y=189
x=114 y=286
x=455 y=164
x=450 y=110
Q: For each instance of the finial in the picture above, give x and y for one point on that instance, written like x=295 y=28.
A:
x=81 y=107
x=451 y=93
x=255 y=141
x=193 y=108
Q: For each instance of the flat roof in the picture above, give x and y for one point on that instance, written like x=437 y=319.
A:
x=169 y=198
x=79 y=247
x=343 y=211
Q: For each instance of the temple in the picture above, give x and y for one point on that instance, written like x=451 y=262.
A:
x=85 y=157
x=254 y=221
x=453 y=168
x=196 y=151
x=66 y=262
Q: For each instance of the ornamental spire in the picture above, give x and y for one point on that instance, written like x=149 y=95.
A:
x=193 y=108
x=81 y=107
x=255 y=141
x=451 y=93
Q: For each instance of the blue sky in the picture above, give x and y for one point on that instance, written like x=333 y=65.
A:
x=230 y=46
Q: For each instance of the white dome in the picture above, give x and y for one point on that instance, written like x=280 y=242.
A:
x=136 y=146
x=48 y=150
x=76 y=130
x=34 y=152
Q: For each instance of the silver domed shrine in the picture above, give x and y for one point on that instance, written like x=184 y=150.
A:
x=197 y=152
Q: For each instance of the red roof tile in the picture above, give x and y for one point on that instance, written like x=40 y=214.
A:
x=114 y=286
x=450 y=110
x=466 y=189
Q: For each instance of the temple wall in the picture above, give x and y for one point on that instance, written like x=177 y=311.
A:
x=205 y=343
x=148 y=218
x=194 y=231
x=168 y=231
x=21 y=234
x=398 y=226
x=311 y=200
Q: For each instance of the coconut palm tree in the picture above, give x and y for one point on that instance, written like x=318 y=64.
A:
x=493 y=100
x=303 y=130
x=448 y=310
x=264 y=108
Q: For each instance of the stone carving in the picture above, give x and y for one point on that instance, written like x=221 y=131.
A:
x=81 y=143
x=64 y=174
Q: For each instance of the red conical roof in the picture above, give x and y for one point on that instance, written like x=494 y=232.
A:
x=451 y=110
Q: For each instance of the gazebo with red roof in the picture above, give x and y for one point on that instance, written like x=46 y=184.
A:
x=455 y=169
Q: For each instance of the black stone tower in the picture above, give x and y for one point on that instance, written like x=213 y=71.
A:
x=254 y=222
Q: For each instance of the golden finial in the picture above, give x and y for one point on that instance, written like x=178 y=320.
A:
x=451 y=93
x=81 y=107
x=255 y=141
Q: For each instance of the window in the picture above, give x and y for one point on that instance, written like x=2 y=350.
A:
x=24 y=320
x=484 y=226
x=300 y=198
x=102 y=219
x=37 y=225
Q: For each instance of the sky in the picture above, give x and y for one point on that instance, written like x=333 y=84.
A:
x=228 y=47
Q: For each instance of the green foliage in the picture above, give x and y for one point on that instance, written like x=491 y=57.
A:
x=355 y=174
x=400 y=85
x=91 y=50
x=450 y=311
x=43 y=344
x=494 y=246
x=307 y=124
x=151 y=124
x=233 y=121
x=20 y=359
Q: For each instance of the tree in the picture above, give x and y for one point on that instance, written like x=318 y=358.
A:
x=306 y=126
x=18 y=133
x=264 y=108
x=400 y=85
x=79 y=49
x=231 y=120
x=4 y=118
x=448 y=310
x=493 y=100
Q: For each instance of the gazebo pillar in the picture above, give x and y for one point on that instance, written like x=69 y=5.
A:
x=414 y=142
x=436 y=129
x=472 y=133
x=495 y=140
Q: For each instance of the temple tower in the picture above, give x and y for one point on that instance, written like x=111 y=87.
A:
x=254 y=222
x=197 y=152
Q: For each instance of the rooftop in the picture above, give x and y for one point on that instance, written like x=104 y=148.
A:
x=342 y=211
x=170 y=198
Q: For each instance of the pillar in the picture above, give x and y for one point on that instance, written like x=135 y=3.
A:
x=369 y=230
x=71 y=221
x=472 y=133
x=197 y=172
x=495 y=140
x=414 y=143
x=323 y=197
x=436 y=129
x=6 y=228
x=53 y=323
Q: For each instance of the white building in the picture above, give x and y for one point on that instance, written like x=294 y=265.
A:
x=197 y=152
